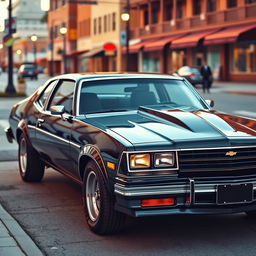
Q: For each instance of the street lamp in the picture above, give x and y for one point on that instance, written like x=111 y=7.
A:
x=125 y=16
x=34 y=39
x=19 y=52
x=63 y=31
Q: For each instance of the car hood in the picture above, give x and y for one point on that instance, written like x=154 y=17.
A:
x=175 y=126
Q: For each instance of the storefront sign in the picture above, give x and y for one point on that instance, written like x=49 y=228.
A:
x=109 y=49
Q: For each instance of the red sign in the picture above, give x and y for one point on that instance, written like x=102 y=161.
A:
x=109 y=47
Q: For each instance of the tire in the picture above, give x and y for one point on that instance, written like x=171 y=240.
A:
x=99 y=210
x=30 y=165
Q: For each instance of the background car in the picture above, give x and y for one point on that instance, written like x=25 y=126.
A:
x=41 y=70
x=28 y=70
x=192 y=74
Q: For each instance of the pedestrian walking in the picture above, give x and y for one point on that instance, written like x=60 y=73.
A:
x=207 y=77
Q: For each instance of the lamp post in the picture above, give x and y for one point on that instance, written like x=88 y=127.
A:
x=34 y=40
x=125 y=16
x=10 y=89
x=63 y=31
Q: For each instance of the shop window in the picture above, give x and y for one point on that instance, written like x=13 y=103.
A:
x=232 y=3
x=95 y=26
x=180 y=9
x=168 y=9
x=109 y=22
x=250 y=1
x=211 y=5
x=151 y=62
x=243 y=58
x=99 y=24
x=113 y=21
x=196 y=7
x=145 y=17
x=155 y=13
x=105 y=23
x=56 y=31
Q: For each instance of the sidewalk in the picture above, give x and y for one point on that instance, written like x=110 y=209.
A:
x=236 y=88
x=14 y=241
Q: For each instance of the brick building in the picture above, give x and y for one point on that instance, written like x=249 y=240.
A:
x=173 y=33
x=62 y=14
x=89 y=28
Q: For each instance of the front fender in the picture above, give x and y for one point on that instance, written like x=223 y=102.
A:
x=91 y=152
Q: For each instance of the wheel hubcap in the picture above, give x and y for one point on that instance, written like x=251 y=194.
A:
x=93 y=196
x=23 y=155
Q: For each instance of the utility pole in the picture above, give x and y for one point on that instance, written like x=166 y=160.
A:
x=125 y=16
x=10 y=89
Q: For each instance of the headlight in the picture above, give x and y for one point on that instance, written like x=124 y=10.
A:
x=164 y=159
x=140 y=161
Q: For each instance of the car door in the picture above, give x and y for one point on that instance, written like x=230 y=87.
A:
x=36 y=109
x=54 y=130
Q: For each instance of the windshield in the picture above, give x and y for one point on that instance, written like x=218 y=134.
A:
x=129 y=94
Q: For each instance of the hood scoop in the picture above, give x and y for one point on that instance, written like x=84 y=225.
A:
x=166 y=114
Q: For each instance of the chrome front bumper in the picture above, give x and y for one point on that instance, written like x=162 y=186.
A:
x=199 y=194
x=193 y=197
x=173 y=189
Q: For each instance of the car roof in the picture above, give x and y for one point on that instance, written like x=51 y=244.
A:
x=84 y=76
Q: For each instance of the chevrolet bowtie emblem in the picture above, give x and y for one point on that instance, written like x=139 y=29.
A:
x=231 y=153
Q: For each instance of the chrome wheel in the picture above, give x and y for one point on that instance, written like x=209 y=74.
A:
x=23 y=155
x=92 y=196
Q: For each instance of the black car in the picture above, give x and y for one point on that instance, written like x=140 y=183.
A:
x=192 y=74
x=28 y=70
x=139 y=145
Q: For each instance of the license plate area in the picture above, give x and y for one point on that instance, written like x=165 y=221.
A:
x=234 y=193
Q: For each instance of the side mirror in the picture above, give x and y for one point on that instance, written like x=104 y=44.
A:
x=210 y=103
x=57 y=110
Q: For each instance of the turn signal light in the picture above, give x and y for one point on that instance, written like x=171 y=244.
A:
x=157 y=202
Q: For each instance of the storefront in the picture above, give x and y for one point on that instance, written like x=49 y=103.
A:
x=151 y=62
x=243 y=55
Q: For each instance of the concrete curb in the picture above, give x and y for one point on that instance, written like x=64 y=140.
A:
x=250 y=93
x=23 y=240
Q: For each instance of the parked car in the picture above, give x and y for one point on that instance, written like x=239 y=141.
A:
x=28 y=70
x=41 y=70
x=139 y=145
x=192 y=74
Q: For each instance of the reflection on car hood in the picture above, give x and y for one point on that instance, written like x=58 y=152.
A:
x=150 y=126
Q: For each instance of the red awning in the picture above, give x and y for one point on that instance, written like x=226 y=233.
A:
x=136 y=47
x=191 y=39
x=228 y=35
x=75 y=52
x=159 y=44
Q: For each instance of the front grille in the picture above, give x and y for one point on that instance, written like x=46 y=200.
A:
x=215 y=162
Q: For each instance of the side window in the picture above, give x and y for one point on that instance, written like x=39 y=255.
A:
x=63 y=95
x=44 y=96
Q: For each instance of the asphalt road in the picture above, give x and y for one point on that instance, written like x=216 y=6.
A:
x=51 y=211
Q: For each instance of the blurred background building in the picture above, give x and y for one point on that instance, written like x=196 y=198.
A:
x=89 y=27
x=30 y=20
x=175 y=33
x=164 y=35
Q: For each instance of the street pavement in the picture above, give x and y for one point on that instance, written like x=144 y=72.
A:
x=49 y=215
